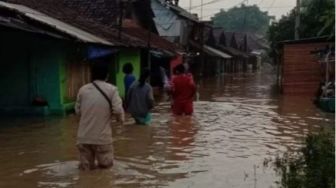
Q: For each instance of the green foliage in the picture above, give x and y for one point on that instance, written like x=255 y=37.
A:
x=317 y=18
x=280 y=31
x=243 y=19
x=313 y=166
x=315 y=15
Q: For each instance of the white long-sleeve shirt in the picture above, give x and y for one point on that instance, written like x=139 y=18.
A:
x=95 y=114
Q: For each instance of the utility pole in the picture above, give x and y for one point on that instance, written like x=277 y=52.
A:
x=202 y=49
x=201 y=10
x=244 y=23
x=190 y=4
x=297 y=20
x=149 y=61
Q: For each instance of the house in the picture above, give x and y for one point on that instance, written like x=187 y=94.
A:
x=226 y=42
x=134 y=49
x=54 y=55
x=176 y=25
x=300 y=71
x=240 y=58
x=172 y=22
x=245 y=48
x=133 y=19
x=218 y=42
x=43 y=60
x=162 y=53
x=256 y=46
x=179 y=26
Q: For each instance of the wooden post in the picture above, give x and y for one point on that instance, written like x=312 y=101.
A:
x=202 y=49
x=297 y=20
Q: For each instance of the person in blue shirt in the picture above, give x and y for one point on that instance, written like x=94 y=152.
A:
x=129 y=77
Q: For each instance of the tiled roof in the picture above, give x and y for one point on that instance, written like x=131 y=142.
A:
x=96 y=17
x=253 y=42
x=25 y=18
x=59 y=9
x=232 y=51
x=104 y=11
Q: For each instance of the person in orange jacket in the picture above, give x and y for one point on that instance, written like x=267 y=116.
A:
x=183 y=90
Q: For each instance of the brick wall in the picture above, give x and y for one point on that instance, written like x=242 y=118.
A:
x=301 y=73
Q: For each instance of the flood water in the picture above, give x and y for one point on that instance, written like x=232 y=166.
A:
x=239 y=121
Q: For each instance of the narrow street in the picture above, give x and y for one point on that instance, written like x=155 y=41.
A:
x=240 y=120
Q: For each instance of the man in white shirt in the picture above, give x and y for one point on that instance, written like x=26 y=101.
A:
x=96 y=104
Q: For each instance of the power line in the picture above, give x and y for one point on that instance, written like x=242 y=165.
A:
x=274 y=7
x=209 y=15
x=271 y=5
x=208 y=3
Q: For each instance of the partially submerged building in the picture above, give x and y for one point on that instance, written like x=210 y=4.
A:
x=246 y=49
x=43 y=61
x=300 y=72
x=46 y=47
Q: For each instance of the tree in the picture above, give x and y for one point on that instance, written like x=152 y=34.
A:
x=317 y=19
x=280 y=31
x=243 y=19
x=316 y=15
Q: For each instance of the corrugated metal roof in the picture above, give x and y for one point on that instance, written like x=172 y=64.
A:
x=217 y=52
x=180 y=11
x=184 y=13
x=59 y=25
x=310 y=40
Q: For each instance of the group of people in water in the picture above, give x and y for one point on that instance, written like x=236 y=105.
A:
x=99 y=101
x=139 y=98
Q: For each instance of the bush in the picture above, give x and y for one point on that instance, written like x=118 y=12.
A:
x=311 y=167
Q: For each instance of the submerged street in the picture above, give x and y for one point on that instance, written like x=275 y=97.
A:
x=240 y=120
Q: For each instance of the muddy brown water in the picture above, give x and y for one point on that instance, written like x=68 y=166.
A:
x=239 y=121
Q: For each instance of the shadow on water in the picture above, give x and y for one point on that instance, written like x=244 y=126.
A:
x=239 y=121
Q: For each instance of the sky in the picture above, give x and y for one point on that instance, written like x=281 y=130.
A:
x=275 y=8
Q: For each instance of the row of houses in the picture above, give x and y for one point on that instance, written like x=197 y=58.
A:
x=46 y=47
x=211 y=50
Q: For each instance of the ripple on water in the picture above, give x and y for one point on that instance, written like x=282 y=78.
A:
x=221 y=145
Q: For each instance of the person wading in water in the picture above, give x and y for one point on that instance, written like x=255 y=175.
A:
x=140 y=99
x=183 y=90
x=96 y=104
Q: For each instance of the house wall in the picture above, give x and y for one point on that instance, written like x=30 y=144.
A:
x=301 y=73
x=29 y=69
x=32 y=66
x=47 y=62
x=132 y=56
x=14 y=75
x=74 y=72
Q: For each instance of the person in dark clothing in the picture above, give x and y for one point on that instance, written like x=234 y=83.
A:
x=140 y=99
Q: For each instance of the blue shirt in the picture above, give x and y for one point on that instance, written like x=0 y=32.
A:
x=128 y=81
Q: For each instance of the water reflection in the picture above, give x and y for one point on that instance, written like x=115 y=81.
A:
x=238 y=122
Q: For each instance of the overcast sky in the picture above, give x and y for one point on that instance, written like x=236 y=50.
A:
x=274 y=7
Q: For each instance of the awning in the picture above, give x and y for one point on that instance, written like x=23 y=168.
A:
x=211 y=51
x=161 y=53
x=233 y=52
x=57 y=24
x=98 y=52
x=216 y=52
